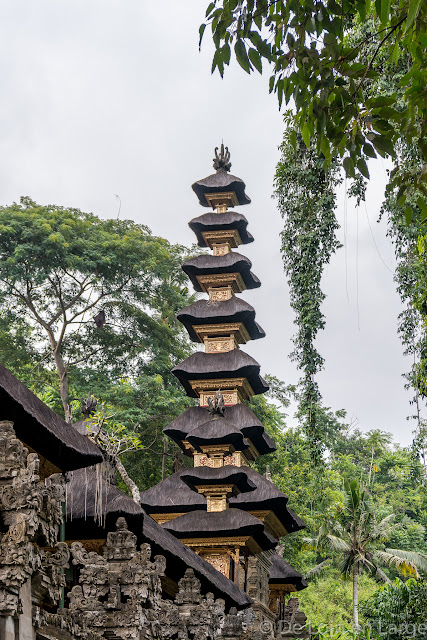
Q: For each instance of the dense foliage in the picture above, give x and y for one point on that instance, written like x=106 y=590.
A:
x=58 y=269
x=398 y=611
x=306 y=200
x=326 y=76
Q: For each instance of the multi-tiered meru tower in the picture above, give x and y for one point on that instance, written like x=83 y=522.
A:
x=223 y=508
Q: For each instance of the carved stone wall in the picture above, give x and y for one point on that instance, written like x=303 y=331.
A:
x=30 y=516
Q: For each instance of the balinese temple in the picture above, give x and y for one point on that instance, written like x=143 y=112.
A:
x=222 y=508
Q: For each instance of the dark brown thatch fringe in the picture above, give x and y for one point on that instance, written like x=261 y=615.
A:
x=41 y=428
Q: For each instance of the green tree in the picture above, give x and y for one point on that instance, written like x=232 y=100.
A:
x=398 y=611
x=327 y=76
x=61 y=267
x=358 y=537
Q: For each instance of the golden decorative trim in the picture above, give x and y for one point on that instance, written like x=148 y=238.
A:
x=220 y=294
x=161 y=518
x=218 y=200
x=232 y=237
x=234 y=280
x=207 y=388
x=237 y=329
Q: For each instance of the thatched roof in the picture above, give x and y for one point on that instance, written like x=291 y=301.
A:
x=240 y=415
x=231 y=522
x=212 y=366
x=224 y=475
x=282 y=573
x=81 y=490
x=233 y=310
x=217 y=431
x=232 y=262
x=227 y=221
x=41 y=429
x=218 y=183
x=172 y=495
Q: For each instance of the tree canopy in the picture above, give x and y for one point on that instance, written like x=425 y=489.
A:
x=62 y=269
x=328 y=75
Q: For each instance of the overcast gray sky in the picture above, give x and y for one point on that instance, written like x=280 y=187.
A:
x=105 y=97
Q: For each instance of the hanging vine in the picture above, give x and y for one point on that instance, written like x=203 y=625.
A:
x=306 y=201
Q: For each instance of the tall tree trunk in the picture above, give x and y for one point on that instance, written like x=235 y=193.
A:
x=355 y=597
x=132 y=486
x=63 y=384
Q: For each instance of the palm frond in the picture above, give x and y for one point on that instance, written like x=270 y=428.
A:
x=318 y=569
x=405 y=565
x=418 y=558
x=338 y=544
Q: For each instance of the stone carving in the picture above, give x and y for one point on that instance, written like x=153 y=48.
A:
x=30 y=511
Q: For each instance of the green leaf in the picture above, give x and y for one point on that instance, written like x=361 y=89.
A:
x=201 y=32
x=348 y=165
x=408 y=215
x=383 y=145
x=242 y=56
x=363 y=167
x=255 y=58
x=413 y=11
x=210 y=8
x=369 y=151
x=384 y=11
x=305 y=132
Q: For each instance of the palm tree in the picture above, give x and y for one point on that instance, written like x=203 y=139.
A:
x=358 y=538
x=378 y=441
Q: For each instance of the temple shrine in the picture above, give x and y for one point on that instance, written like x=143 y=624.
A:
x=222 y=508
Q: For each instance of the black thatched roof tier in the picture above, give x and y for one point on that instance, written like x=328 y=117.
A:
x=232 y=262
x=220 y=182
x=233 y=310
x=41 y=429
x=172 y=495
x=240 y=415
x=224 y=475
x=227 y=221
x=213 y=366
x=231 y=522
x=282 y=573
x=217 y=431
x=81 y=490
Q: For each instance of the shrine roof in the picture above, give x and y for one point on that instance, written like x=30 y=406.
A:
x=218 y=183
x=240 y=415
x=232 y=262
x=222 y=475
x=172 y=495
x=220 y=221
x=283 y=573
x=81 y=525
x=41 y=429
x=212 y=366
x=231 y=522
x=207 y=312
x=217 y=431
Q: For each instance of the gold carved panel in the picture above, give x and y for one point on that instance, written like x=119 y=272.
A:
x=219 y=295
x=220 y=345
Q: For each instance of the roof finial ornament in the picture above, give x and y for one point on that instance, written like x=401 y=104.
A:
x=222 y=160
